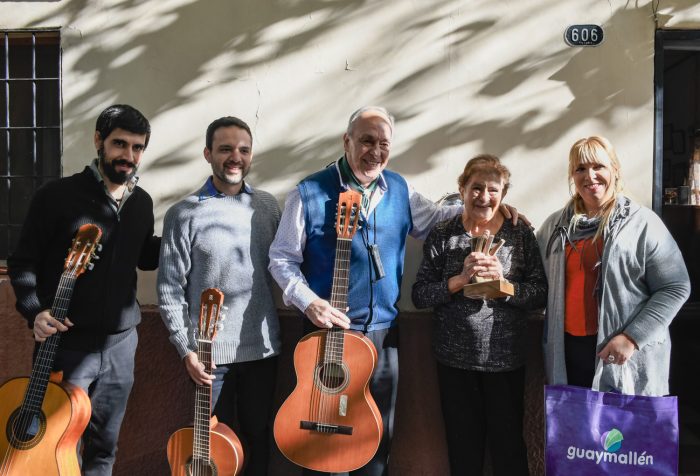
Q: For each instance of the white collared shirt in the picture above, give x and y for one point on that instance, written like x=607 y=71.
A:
x=287 y=250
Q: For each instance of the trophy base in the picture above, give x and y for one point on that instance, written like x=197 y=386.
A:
x=497 y=288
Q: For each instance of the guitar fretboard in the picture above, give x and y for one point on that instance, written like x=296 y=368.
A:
x=202 y=406
x=39 y=378
x=339 y=299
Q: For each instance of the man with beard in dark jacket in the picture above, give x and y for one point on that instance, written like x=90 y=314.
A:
x=98 y=344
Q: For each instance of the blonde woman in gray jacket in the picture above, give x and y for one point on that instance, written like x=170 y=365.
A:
x=616 y=280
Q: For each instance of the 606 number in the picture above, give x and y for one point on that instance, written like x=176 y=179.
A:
x=583 y=35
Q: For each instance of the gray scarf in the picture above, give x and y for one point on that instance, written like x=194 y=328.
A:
x=573 y=228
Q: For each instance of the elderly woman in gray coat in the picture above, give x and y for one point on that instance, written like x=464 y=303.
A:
x=616 y=280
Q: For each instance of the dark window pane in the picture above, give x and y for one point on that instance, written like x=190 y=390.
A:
x=3 y=153
x=21 y=191
x=15 y=231
x=2 y=54
x=22 y=152
x=30 y=106
x=4 y=201
x=47 y=105
x=3 y=104
x=4 y=242
x=48 y=152
x=20 y=58
x=47 y=55
x=21 y=109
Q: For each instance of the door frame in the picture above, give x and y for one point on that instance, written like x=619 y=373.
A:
x=688 y=40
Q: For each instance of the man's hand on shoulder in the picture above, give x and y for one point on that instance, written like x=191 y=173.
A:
x=45 y=325
x=325 y=316
x=511 y=213
x=196 y=369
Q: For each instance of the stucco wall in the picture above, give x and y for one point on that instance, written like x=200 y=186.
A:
x=462 y=77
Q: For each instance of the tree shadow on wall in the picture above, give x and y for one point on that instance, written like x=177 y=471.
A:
x=169 y=57
x=597 y=90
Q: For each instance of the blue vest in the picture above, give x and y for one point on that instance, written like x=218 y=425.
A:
x=373 y=305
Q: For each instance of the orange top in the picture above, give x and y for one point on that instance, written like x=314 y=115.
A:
x=581 y=277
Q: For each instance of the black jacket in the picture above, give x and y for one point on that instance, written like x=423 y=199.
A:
x=103 y=307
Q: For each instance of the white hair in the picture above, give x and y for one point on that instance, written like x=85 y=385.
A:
x=378 y=109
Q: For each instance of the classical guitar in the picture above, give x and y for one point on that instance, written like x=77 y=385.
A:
x=330 y=422
x=42 y=417
x=208 y=448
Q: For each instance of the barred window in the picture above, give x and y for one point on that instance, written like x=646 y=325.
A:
x=30 y=123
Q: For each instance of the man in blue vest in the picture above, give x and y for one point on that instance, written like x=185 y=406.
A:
x=302 y=254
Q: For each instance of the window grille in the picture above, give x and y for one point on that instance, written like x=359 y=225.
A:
x=30 y=123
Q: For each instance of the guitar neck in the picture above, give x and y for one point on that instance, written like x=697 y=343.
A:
x=39 y=378
x=341 y=274
x=202 y=406
x=339 y=298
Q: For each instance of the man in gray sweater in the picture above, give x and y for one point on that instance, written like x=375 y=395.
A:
x=219 y=237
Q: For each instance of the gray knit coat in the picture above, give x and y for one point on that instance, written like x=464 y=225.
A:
x=644 y=284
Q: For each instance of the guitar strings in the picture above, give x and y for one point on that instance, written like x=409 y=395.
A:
x=38 y=381
x=333 y=358
x=344 y=261
x=339 y=282
x=200 y=449
x=333 y=372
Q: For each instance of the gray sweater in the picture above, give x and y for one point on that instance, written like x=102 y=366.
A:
x=211 y=240
x=644 y=284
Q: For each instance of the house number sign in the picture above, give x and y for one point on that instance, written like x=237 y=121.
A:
x=583 y=35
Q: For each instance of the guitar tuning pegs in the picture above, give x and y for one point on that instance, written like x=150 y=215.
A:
x=99 y=247
x=90 y=266
x=222 y=317
x=219 y=326
x=94 y=256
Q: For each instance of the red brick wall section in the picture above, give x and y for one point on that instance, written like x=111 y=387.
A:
x=163 y=396
x=16 y=343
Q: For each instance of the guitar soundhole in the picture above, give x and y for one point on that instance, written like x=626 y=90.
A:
x=332 y=377
x=24 y=429
x=201 y=467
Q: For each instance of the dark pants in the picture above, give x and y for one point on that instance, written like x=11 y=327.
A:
x=580 y=358
x=480 y=407
x=107 y=377
x=243 y=393
x=383 y=387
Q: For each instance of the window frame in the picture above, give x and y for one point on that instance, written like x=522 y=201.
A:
x=36 y=176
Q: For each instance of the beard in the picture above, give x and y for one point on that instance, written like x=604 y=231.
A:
x=109 y=168
x=229 y=179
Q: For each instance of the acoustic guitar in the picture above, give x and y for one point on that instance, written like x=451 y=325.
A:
x=330 y=422
x=208 y=448
x=42 y=417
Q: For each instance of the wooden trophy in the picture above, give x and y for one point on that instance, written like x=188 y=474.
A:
x=482 y=287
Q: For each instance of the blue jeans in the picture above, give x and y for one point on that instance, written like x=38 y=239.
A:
x=107 y=377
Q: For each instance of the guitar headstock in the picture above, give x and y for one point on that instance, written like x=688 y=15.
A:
x=348 y=216
x=210 y=312
x=83 y=250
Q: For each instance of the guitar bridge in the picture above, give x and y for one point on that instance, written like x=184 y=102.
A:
x=325 y=427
